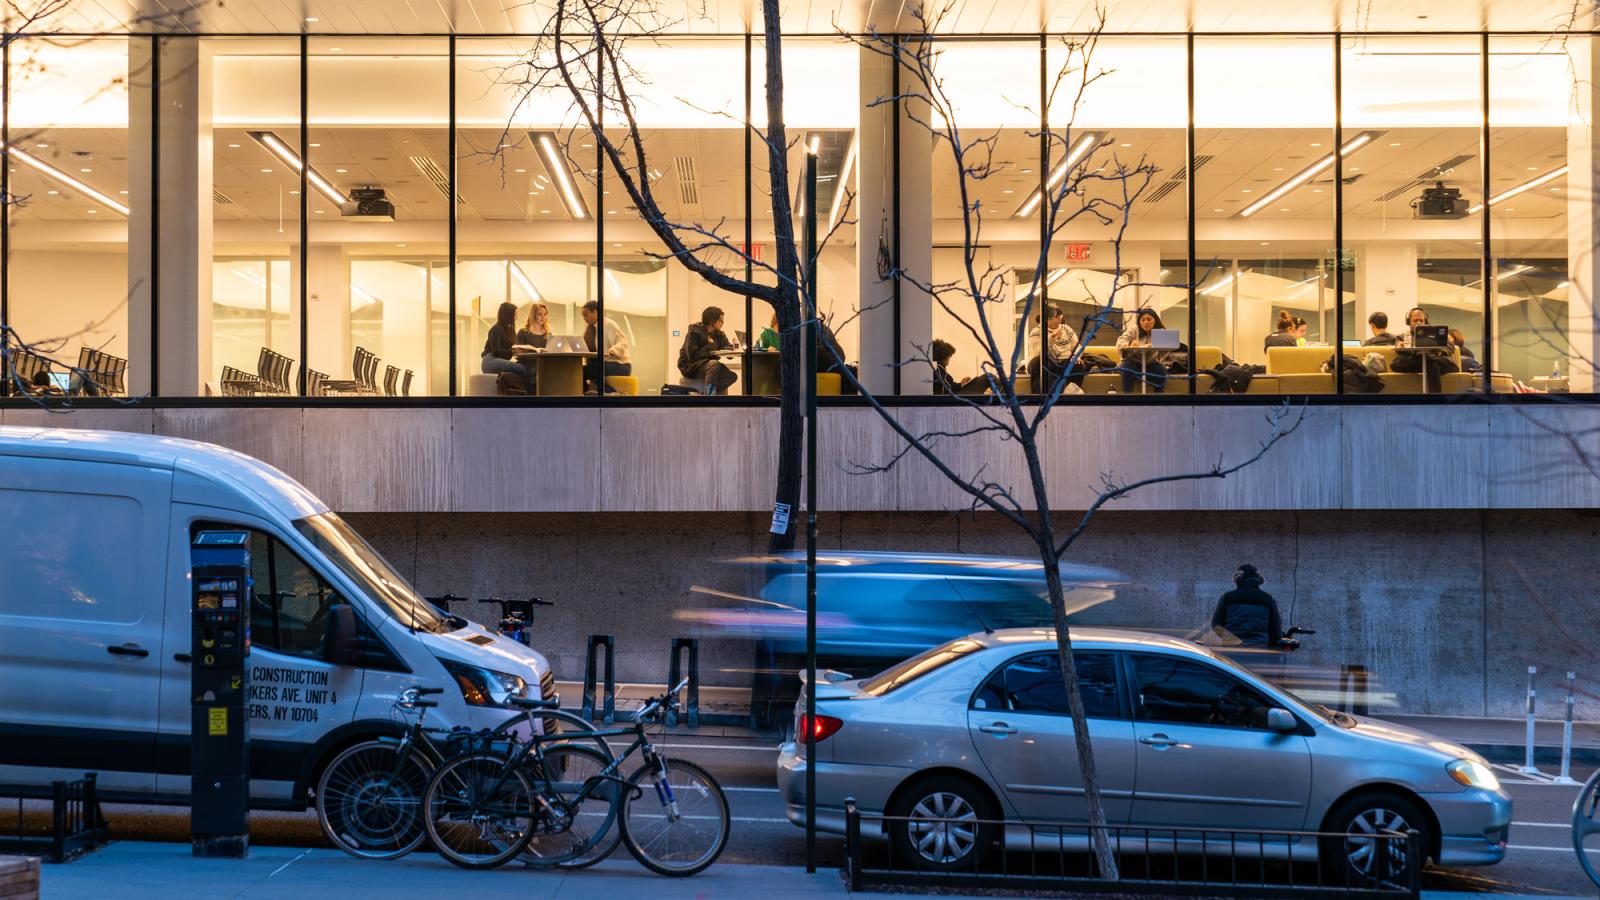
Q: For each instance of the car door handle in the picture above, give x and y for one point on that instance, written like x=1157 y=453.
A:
x=1158 y=741
x=997 y=728
x=128 y=650
x=182 y=657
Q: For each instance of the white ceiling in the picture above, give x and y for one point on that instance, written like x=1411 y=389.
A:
x=825 y=16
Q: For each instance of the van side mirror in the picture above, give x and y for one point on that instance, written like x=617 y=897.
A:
x=1281 y=720
x=340 y=645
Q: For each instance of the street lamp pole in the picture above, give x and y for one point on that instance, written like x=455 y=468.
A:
x=809 y=367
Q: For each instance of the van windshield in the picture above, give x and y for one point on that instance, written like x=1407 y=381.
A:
x=366 y=567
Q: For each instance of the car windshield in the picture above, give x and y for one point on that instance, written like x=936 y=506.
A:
x=910 y=670
x=367 y=568
x=1316 y=709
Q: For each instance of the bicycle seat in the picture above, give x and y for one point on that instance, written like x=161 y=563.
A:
x=530 y=703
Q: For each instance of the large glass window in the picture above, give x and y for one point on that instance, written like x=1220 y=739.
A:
x=377 y=267
x=1413 y=200
x=76 y=180
x=1264 y=206
x=1538 y=133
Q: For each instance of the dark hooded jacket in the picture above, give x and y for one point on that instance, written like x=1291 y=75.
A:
x=1249 y=614
x=700 y=346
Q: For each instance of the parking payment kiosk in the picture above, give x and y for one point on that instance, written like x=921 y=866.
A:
x=219 y=746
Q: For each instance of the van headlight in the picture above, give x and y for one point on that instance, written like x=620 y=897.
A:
x=485 y=687
x=1473 y=774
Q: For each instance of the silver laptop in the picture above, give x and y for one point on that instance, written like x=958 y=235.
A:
x=566 y=343
x=1164 y=339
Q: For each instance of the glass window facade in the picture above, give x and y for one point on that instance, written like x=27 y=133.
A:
x=346 y=217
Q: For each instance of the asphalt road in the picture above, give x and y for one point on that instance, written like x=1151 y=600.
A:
x=1540 y=859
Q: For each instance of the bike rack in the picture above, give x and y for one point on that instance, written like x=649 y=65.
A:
x=609 y=710
x=77 y=825
x=675 y=674
x=1353 y=682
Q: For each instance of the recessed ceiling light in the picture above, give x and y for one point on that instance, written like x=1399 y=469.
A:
x=341 y=171
x=1008 y=191
x=531 y=193
x=123 y=193
x=521 y=171
x=42 y=146
x=1218 y=209
x=1533 y=168
x=1511 y=209
x=52 y=192
x=399 y=245
x=1126 y=145
x=335 y=49
x=313 y=145
x=319 y=212
x=292 y=193
x=1355 y=168
x=1316 y=145
x=266 y=171
x=234 y=146
x=611 y=212
x=545 y=211
x=84 y=171
x=311 y=19
x=618 y=244
x=1244 y=190
x=1277 y=168
x=92 y=211
x=1265 y=243
x=1394 y=143
x=586 y=146
x=1027 y=171
x=1283 y=209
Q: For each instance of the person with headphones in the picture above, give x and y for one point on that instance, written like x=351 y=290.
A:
x=1248 y=615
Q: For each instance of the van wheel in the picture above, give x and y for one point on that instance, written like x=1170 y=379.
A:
x=1353 y=855
x=942 y=823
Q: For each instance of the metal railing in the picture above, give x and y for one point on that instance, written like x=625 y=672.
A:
x=76 y=823
x=1168 y=861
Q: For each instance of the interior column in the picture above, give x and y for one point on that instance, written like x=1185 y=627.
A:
x=1583 y=215
x=176 y=206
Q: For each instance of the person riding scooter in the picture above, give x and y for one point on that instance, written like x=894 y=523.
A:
x=1247 y=615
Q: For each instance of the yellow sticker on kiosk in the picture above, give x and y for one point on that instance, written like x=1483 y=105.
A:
x=217 y=722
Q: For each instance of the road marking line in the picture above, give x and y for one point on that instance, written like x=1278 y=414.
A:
x=752 y=790
x=1542 y=824
x=1550 y=849
x=289 y=863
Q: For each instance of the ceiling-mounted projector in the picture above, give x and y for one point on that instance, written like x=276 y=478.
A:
x=367 y=204
x=1440 y=202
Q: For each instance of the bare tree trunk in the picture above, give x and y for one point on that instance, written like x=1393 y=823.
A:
x=1099 y=839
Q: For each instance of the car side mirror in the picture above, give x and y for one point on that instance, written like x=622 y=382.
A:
x=340 y=645
x=1281 y=720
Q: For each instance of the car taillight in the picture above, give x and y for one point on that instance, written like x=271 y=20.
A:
x=821 y=729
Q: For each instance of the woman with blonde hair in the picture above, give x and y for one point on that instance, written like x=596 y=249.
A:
x=536 y=329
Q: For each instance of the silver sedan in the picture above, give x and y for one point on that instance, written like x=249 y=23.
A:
x=978 y=729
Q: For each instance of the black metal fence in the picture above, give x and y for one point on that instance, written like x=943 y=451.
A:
x=1169 y=861
x=76 y=823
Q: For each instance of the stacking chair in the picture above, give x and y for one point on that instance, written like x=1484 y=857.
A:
x=314 y=380
x=238 y=383
x=369 y=375
x=355 y=384
x=405 y=384
x=391 y=379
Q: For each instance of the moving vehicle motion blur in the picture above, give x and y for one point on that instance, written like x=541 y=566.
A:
x=978 y=729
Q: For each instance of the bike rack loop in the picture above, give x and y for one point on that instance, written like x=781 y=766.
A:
x=609 y=710
x=675 y=673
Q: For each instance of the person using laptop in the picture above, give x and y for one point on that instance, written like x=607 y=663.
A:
x=1142 y=332
x=497 y=350
x=697 y=358
x=1285 y=335
x=611 y=346
x=536 y=329
x=1379 y=323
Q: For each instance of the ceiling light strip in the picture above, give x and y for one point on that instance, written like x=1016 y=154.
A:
x=281 y=150
x=1507 y=194
x=1080 y=148
x=526 y=283
x=841 y=185
x=1309 y=172
x=550 y=154
x=49 y=171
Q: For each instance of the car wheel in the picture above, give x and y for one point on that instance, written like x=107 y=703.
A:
x=1353 y=855
x=942 y=823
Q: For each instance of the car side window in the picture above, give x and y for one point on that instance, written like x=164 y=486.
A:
x=289 y=601
x=1033 y=684
x=1186 y=692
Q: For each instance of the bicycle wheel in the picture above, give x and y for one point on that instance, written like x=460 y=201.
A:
x=369 y=800
x=578 y=826
x=478 y=813
x=677 y=825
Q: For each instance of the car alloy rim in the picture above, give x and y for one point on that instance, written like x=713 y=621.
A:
x=1361 y=853
x=943 y=827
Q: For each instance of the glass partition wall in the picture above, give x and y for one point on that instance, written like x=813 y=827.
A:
x=374 y=202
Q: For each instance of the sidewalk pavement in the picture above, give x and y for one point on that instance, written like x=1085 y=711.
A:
x=1505 y=740
x=132 y=870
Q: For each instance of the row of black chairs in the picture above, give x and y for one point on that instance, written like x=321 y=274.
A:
x=97 y=374
x=273 y=370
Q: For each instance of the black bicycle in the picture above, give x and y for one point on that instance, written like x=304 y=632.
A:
x=558 y=796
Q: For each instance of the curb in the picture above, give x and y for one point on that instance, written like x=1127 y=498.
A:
x=1543 y=756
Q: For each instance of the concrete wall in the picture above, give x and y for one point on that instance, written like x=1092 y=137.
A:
x=672 y=458
x=1429 y=601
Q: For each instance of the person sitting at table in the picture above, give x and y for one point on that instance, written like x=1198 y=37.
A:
x=1379 y=323
x=1299 y=332
x=1051 y=359
x=1417 y=316
x=610 y=344
x=536 y=330
x=1152 y=368
x=769 y=335
x=1284 y=336
x=697 y=358
x=497 y=352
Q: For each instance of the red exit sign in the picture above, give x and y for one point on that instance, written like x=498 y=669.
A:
x=1078 y=252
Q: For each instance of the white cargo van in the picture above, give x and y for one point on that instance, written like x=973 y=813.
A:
x=95 y=621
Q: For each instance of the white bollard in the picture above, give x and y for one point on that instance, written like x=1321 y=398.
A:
x=1528 y=768
x=1566 y=737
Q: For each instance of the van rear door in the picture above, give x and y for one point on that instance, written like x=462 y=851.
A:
x=81 y=572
